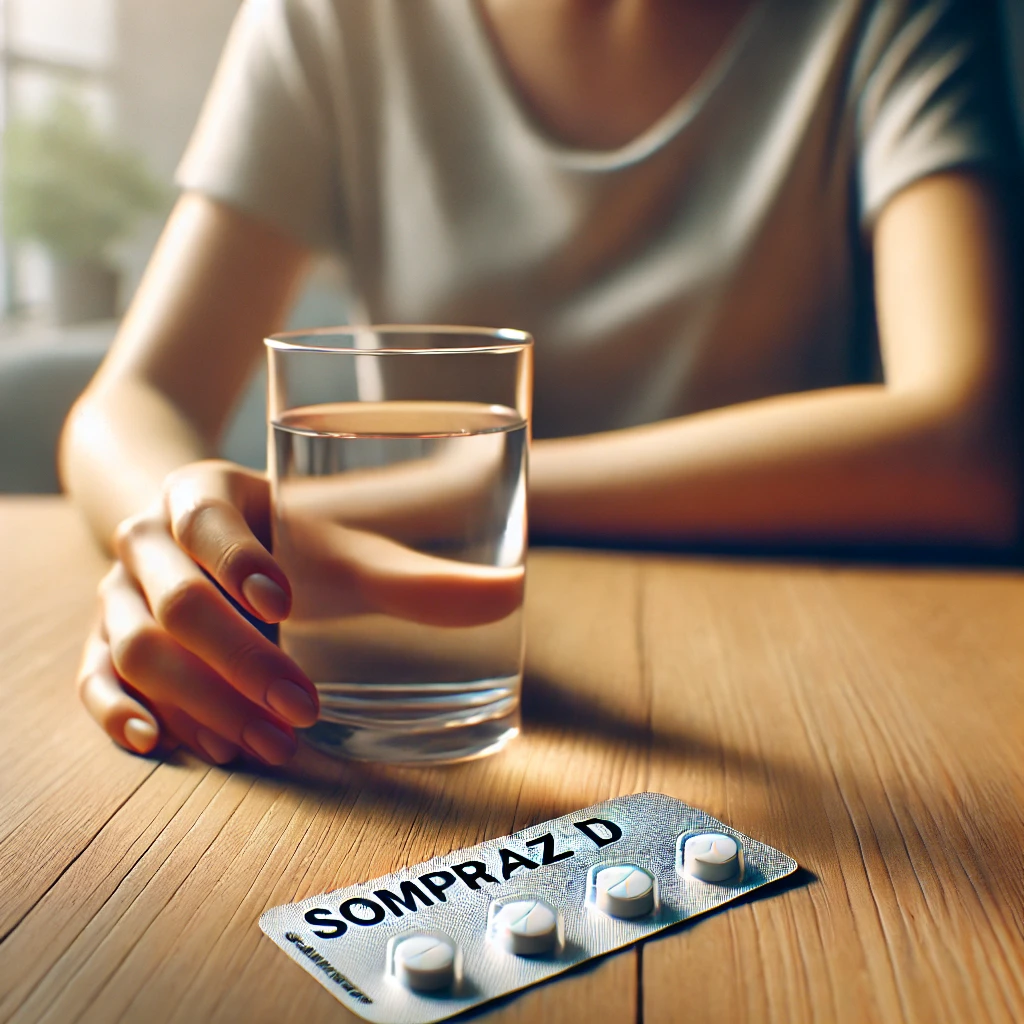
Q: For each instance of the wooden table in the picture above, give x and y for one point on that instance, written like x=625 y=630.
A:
x=869 y=722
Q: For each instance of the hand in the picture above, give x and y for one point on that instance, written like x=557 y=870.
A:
x=169 y=659
x=347 y=572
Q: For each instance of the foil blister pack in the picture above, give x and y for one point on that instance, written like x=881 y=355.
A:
x=430 y=941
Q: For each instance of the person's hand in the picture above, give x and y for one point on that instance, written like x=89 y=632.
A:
x=347 y=572
x=169 y=659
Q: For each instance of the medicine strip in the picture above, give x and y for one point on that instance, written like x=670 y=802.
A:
x=428 y=942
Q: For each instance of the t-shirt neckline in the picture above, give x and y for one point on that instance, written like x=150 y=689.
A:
x=651 y=139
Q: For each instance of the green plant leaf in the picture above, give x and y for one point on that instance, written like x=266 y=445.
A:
x=71 y=187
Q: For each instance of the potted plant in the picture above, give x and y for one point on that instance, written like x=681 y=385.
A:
x=77 y=192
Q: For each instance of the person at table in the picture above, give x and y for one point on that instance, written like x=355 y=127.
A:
x=701 y=212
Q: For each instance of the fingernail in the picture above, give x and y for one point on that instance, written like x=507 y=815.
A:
x=292 y=702
x=265 y=596
x=215 y=747
x=274 y=746
x=141 y=736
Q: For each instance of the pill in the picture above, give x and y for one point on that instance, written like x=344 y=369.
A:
x=526 y=927
x=712 y=857
x=624 y=891
x=424 y=963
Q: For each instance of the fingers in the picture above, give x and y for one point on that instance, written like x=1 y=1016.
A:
x=190 y=608
x=130 y=723
x=172 y=678
x=346 y=571
x=171 y=656
x=203 y=741
x=208 y=524
x=425 y=588
x=126 y=720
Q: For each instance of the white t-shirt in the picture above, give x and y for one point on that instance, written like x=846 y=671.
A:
x=716 y=258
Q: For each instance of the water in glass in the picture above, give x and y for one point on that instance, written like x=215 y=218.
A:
x=402 y=529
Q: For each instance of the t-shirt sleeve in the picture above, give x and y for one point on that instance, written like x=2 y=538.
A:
x=263 y=141
x=935 y=97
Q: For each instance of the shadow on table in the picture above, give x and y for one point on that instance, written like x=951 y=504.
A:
x=451 y=793
x=792 y=802
x=800 y=878
x=795 y=808
x=830 y=555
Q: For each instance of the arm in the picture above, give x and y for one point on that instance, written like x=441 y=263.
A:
x=930 y=455
x=218 y=282
x=169 y=658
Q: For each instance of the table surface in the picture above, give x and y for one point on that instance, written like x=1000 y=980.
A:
x=866 y=721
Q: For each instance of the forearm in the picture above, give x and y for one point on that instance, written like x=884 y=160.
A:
x=844 y=465
x=931 y=456
x=217 y=283
x=119 y=443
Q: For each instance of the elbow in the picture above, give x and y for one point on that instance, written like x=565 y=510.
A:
x=976 y=452
x=70 y=442
x=993 y=520
x=83 y=438
x=86 y=461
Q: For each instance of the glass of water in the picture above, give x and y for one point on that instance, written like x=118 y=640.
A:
x=397 y=463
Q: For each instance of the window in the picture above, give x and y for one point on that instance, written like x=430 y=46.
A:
x=50 y=48
x=134 y=73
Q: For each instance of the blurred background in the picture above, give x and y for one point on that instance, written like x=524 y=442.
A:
x=97 y=101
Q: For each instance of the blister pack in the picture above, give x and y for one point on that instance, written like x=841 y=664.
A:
x=430 y=941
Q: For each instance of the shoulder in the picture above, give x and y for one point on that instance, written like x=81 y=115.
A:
x=902 y=29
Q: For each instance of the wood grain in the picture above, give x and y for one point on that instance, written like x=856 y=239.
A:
x=866 y=721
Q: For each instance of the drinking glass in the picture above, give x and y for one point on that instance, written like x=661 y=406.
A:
x=397 y=462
